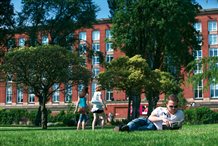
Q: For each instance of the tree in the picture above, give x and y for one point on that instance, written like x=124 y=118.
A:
x=160 y=31
x=40 y=68
x=6 y=25
x=134 y=76
x=209 y=71
x=58 y=19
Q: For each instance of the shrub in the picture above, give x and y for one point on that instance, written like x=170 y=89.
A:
x=200 y=115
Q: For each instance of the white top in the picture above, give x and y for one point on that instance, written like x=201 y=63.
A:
x=177 y=118
x=96 y=101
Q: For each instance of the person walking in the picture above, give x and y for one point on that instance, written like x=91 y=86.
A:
x=81 y=107
x=99 y=105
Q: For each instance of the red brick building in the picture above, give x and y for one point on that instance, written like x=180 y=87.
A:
x=94 y=38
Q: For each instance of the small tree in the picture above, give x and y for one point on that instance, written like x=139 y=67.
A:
x=133 y=76
x=39 y=68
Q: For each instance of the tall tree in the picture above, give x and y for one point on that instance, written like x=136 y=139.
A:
x=58 y=18
x=6 y=25
x=160 y=31
x=40 y=68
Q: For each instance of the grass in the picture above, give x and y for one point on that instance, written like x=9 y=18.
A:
x=195 y=135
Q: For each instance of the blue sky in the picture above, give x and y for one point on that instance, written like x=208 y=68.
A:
x=104 y=12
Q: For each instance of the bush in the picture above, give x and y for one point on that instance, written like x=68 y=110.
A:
x=200 y=115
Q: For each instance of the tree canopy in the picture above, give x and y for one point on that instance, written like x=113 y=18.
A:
x=134 y=76
x=39 y=68
x=6 y=25
x=58 y=18
x=160 y=31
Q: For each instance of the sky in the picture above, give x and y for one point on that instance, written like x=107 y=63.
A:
x=104 y=10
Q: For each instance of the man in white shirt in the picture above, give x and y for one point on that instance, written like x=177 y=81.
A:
x=169 y=117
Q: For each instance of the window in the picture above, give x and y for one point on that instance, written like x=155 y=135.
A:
x=108 y=34
x=82 y=49
x=31 y=96
x=96 y=35
x=212 y=26
x=80 y=87
x=109 y=58
x=55 y=95
x=109 y=47
x=95 y=72
x=213 y=87
x=9 y=92
x=45 y=40
x=197 y=26
x=68 y=92
x=96 y=47
x=109 y=95
x=212 y=39
x=21 y=42
x=94 y=84
x=95 y=60
x=214 y=90
x=82 y=36
x=198 y=55
x=198 y=91
x=19 y=95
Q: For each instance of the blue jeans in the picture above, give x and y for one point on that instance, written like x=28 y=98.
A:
x=141 y=124
x=82 y=117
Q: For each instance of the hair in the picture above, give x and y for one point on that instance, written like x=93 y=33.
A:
x=173 y=97
x=83 y=92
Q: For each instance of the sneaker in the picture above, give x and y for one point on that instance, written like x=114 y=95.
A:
x=117 y=128
x=124 y=128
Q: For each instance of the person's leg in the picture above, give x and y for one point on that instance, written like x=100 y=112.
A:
x=84 y=121
x=79 y=121
x=94 y=120
x=103 y=118
x=137 y=124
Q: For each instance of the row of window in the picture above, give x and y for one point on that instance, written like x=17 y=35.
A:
x=198 y=91
x=55 y=96
x=82 y=36
x=212 y=26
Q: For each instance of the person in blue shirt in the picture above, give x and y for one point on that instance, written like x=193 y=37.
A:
x=81 y=107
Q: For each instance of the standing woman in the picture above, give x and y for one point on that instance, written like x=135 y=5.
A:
x=98 y=107
x=81 y=106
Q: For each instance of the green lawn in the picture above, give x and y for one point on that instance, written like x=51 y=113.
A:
x=196 y=135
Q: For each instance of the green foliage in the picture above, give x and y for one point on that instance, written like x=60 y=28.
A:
x=200 y=115
x=39 y=68
x=163 y=37
x=59 y=18
x=7 y=23
x=209 y=71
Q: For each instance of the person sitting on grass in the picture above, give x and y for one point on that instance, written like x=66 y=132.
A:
x=169 y=117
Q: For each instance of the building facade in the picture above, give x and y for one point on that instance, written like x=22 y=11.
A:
x=98 y=39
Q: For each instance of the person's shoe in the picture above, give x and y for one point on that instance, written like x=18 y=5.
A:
x=124 y=128
x=117 y=128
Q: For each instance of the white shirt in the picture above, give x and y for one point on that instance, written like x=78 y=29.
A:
x=97 y=105
x=162 y=112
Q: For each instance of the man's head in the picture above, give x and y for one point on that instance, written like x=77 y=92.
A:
x=172 y=104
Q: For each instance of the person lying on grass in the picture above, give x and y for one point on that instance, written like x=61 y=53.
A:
x=169 y=117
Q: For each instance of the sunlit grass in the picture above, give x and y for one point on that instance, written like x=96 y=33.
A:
x=188 y=135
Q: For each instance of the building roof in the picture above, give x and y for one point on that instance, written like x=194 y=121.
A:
x=208 y=11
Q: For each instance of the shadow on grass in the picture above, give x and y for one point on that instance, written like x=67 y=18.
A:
x=48 y=128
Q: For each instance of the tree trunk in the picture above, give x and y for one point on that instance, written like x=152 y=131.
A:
x=44 y=116
x=152 y=98
x=129 y=106
x=135 y=106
